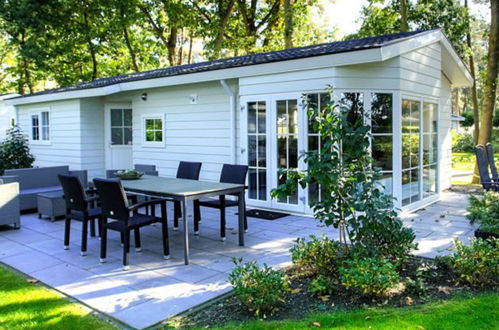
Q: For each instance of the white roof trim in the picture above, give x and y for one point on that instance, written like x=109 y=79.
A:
x=455 y=69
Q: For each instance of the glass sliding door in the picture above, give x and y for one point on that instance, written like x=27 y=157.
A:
x=257 y=150
x=411 y=127
x=430 y=149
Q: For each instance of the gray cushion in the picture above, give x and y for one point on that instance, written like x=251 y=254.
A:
x=29 y=178
x=36 y=191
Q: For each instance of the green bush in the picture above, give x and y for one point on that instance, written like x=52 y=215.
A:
x=317 y=255
x=261 y=290
x=462 y=142
x=369 y=277
x=321 y=285
x=485 y=211
x=14 y=151
x=478 y=264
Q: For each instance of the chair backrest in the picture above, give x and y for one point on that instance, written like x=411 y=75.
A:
x=483 y=167
x=146 y=169
x=74 y=194
x=114 y=203
x=492 y=164
x=188 y=170
x=234 y=174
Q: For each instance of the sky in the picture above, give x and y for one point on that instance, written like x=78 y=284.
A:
x=345 y=14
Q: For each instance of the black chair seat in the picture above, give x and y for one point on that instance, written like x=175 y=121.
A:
x=215 y=203
x=92 y=213
x=135 y=221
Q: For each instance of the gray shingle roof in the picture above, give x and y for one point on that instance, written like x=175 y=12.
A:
x=239 y=61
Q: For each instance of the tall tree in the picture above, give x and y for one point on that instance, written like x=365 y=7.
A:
x=404 y=25
x=288 y=24
x=490 y=80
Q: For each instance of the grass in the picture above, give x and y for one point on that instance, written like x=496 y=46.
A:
x=463 y=161
x=25 y=305
x=463 y=312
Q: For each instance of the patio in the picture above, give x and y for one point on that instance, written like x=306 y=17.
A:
x=155 y=289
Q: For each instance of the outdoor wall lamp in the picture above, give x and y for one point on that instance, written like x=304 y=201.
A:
x=144 y=96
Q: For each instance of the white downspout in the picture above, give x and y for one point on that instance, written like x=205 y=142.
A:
x=233 y=109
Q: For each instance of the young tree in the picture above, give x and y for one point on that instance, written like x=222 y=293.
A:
x=14 y=151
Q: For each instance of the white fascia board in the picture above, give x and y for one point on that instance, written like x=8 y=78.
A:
x=340 y=59
x=462 y=76
x=402 y=47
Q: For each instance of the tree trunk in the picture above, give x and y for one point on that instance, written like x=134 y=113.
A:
x=223 y=18
x=490 y=81
x=288 y=24
x=91 y=47
x=133 y=57
x=404 y=26
x=189 y=55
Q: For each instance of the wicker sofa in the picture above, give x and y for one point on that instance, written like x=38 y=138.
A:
x=9 y=204
x=33 y=181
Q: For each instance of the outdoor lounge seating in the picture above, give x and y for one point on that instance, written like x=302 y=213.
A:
x=9 y=204
x=115 y=207
x=33 y=181
x=187 y=170
x=483 y=169
x=230 y=174
x=492 y=164
x=78 y=207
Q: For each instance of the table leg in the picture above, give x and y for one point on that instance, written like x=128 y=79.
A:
x=186 y=231
x=241 y=214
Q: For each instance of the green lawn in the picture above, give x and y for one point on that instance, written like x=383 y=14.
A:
x=479 y=312
x=25 y=305
x=463 y=161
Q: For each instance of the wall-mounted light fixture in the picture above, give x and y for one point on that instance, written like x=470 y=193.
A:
x=144 y=96
x=193 y=99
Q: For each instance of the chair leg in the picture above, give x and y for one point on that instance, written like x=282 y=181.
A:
x=177 y=213
x=197 y=216
x=245 y=218
x=222 y=217
x=84 y=237
x=92 y=228
x=138 y=246
x=164 y=229
x=103 y=244
x=126 y=250
x=122 y=238
x=67 y=230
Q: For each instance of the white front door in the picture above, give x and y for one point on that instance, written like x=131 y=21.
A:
x=119 y=137
x=273 y=139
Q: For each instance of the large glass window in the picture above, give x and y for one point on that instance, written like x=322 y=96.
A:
x=121 y=126
x=257 y=150
x=382 y=137
x=40 y=126
x=430 y=148
x=411 y=126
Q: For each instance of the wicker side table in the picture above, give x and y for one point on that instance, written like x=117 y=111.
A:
x=51 y=204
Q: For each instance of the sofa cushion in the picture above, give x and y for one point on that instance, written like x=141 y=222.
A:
x=36 y=191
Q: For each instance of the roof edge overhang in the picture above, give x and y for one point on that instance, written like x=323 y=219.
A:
x=454 y=69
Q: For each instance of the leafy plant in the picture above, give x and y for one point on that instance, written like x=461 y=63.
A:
x=14 y=151
x=321 y=285
x=317 y=255
x=261 y=290
x=370 y=277
x=477 y=264
x=485 y=210
x=462 y=142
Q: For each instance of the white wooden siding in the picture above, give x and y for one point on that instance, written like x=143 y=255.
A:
x=445 y=139
x=420 y=71
x=92 y=136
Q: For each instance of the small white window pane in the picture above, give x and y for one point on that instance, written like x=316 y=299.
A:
x=45 y=118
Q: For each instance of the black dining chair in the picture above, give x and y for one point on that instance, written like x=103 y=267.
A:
x=79 y=207
x=187 y=170
x=125 y=218
x=483 y=169
x=492 y=164
x=230 y=174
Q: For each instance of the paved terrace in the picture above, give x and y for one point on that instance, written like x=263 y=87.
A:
x=155 y=289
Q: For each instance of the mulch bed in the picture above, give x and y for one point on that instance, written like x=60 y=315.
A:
x=300 y=303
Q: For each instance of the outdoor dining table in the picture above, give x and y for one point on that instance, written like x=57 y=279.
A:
x=185 y=190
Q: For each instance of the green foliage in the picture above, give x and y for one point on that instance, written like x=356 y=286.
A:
x=317 y=255
x=485 y=211
x=462 y=142
x=370 y=277
x=261 y=290
x=14 y=151
x=478 y=264
x=468 y=119
x=321 y=285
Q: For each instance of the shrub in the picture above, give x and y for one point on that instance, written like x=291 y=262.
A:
x=478 y=264
x=261 y=290
x=370 y=277
x=462 y=142
x=14 y=151
x=317 y=255
x=485 y=210
x=322 y=285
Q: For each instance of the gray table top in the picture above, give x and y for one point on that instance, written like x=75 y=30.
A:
x=156 y=185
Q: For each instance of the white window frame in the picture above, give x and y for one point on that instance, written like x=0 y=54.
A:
x=38 y=112
x=153 y=144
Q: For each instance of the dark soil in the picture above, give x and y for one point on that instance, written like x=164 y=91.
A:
x=436 y=283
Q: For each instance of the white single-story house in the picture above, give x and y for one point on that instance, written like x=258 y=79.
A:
x=248 y=110
x=7 y=114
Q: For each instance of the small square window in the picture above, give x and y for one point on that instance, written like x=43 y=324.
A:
x=40 y=126
x=153 y=130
